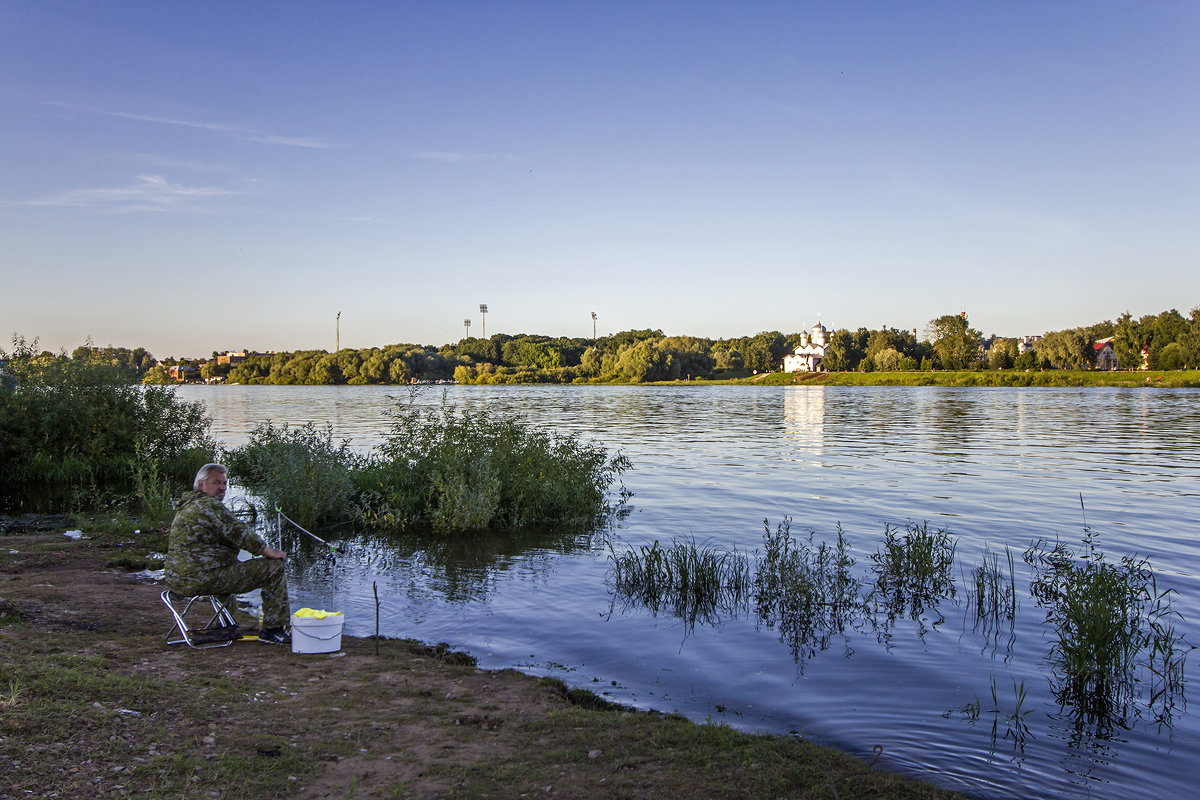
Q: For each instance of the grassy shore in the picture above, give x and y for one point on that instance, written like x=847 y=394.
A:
x=94 y=704
x=1056 y=378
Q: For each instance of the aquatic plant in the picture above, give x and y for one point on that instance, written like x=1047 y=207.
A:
x=1113 y=632
x=300 y=470
x=697 y=582
x=1017 y=729
x=992 y=600
x=456 y=470
x=804 y=590
x=992 y=593
x=913 y=573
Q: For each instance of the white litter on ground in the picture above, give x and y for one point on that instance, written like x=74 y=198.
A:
x=75 y=535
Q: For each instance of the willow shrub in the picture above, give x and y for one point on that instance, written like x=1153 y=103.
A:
x=75 y=433
x=456 y=470
x=298 y=470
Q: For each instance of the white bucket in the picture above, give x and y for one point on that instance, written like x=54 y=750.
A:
x=312 y=635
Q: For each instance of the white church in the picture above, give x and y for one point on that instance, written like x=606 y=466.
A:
x=809 y=355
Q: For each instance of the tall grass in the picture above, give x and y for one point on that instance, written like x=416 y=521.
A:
x=1114 y=637
x=804 y=590
x=992 y=590
x=697 y=582
x=75 y=432
x=1113 y=631
x=913 y=571
x=154 y=489
x=1017 y=728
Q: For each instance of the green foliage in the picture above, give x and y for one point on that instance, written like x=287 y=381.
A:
x=1003 y=353
x=299 y=470
x=955 y=343
x=806 y=591
x=1069 y=349
x=132 y=364
x=399 y=363
x=75 y=430
x=1147 y=342
x=913 y=571
x=845 y=350
x=455 y=470
x=888 y=350
x=1171 y=357
x=697 y=582
x=1113 y=631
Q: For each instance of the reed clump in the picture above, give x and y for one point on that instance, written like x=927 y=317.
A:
x=806 y=590
x=697 y=582
x=913 y=569
x=1113 y=631
x=452 y=470
x=992 y=589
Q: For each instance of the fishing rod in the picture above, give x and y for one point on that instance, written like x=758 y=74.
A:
x=333 y=550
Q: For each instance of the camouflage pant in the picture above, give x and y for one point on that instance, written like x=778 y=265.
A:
x=244 y=576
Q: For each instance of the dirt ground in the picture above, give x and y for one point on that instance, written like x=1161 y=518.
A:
x=93 y=703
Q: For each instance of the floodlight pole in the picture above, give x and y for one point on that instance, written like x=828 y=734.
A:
x=483 y=314
x=337 y=342
x=467 y=325
x=593 y=326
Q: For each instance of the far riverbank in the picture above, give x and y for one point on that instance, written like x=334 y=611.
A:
x=1058 y=378
x=1173 y=379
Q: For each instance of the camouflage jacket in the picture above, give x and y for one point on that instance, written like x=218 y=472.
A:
x=206 y=536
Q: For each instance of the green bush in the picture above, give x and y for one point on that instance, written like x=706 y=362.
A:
x=460 y=470
x=74 y=432
x=440 y=469
x=299 y=470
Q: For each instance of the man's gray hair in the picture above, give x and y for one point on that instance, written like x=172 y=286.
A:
x=203 y=473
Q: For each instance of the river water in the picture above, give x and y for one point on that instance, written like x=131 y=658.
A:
x=940 y=694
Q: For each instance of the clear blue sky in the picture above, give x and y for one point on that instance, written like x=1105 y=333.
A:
x=199 y=176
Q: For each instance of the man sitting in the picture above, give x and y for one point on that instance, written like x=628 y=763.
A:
x=202 y=556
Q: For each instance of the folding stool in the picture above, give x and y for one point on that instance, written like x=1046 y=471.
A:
x=219 y=631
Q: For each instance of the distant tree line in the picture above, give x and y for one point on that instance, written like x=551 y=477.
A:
x=1165 y=341
x=1169 y=340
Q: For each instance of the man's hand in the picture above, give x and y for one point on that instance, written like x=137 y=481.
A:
x=271 y=552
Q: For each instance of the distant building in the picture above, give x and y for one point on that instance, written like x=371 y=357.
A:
x=1103 y=355
x=1026 y=343
x=181 y=372
x=232 y=358
x=809 y=355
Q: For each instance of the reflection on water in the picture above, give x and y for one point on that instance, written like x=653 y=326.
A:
x=804 y=417
x=451 y=569
x=995 y=468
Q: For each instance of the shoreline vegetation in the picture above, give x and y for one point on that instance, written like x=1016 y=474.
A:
x=93 y=703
